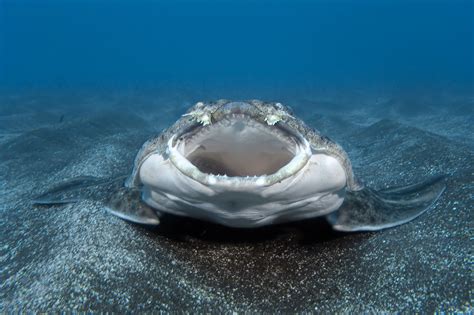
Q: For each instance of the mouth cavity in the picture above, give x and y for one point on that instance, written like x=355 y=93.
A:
x=238 y=150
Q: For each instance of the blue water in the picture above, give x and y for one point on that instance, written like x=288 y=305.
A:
x=237 y=44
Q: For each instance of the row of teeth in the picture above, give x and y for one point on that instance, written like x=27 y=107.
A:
x=230 y=119
x=225 y=176
x=259 y=180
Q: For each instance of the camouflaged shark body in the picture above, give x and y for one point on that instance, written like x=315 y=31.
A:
x=253 y=163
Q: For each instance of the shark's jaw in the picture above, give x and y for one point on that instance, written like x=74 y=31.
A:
x=241 y=170
x=238 y=151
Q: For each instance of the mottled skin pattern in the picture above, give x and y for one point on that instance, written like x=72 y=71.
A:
x=258 y=110
x=130 y=205
x=368 y=209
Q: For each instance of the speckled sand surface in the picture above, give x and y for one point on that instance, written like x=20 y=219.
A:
x=78 y=257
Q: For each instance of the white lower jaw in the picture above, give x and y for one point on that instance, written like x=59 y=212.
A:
x=316 y=190
x=319 y=204
x=187 y=168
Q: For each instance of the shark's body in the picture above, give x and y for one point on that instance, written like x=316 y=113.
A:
x=249 y=164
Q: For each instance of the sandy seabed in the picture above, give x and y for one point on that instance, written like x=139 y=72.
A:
x=78 y=257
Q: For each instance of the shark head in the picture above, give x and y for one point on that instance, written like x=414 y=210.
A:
x=242 y=164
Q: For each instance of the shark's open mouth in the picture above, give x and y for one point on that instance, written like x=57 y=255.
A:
x=238 y=150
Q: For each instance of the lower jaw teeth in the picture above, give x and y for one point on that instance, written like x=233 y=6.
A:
x=254 y=180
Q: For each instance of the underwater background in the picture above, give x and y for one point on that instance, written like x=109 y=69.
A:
x=249 y=44
x=83 y=84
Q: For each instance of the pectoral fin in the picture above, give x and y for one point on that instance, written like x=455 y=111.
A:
x=120 y=201
x=370 y=210
x=72 y=190
x=126 y=203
